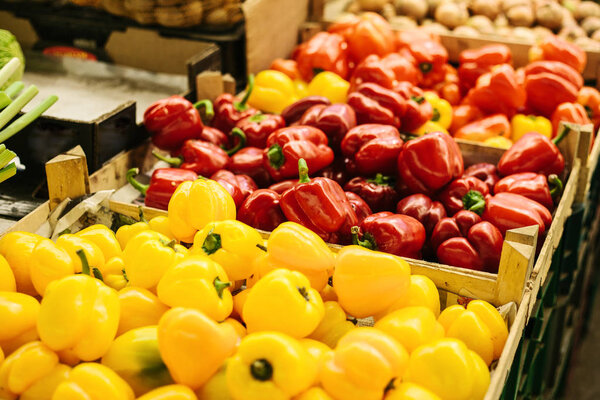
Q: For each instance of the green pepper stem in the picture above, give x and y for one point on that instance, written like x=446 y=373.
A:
x=562 y=135
x=97 y=274
x=173 y=161
x=436 y=115
x=258 y=117
x=141 y=214
x=5 y=156
x=380 y=179
x=220 y=286
x=303 y=171
x=261 y=370
x=212 y=243
x=275 y=156
x=425 y=67
x=209 y=111
x=14 y=88
x=474 y=201
x=237 y=132
x=260 y=246
x=7 y=172
x=367 y=243
x=556 y=185
x=85 y=266
x=137 y=185
x=241 y=105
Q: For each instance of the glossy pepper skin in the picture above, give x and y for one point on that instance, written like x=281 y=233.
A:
x=422 y=208
x=286 y=146
x=534 y=186
x=174 y=120
x=476 y=62
x=375 y=104
x=17 y=248
x=239 y=186
x=569 y=112
x=94 y=255
x=554 y=48
x=465 y=241
x=320 y=204
x=546 y=90
x=386 y=71
x=407 y=390
x=272 y=91
x=288 y=67
x=379 y=193
x=442 y=110
x=498 y=91
x=421 y=292
x=360 y=207
x=44 y=388
x=162 y=185
x=429 y=54
x=7 y=278
x=417 y=109
x=485 y=172
x=49 y=263
x=298 y=311
x=262 y=368
x=589 y=98
x=95 y=382
x=185 y=336
x=294 y=111
x=104 y=238
x=363 y=292
x=452 y=195
x=485 y=128
x=232 y=244
x=557 y=68
x=521 y=124
x=333 y=326
x=170 y=392
x=323 y=52
x=329 y=85
x=428 y=163
x=19 y=313
x=387 y=359
x=139 y=308
x=249 y=161
x=258 y=127
x=228 y=112
x=334 y=120
x=261 y=210
x=462 y=115
x=372 y=148
x=396 y=234
x=215 y=136
x=534 y=152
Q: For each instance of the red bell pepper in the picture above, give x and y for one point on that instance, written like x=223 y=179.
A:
x=286 y=146
x=258 y=127
x=569 y=112
x=373 y=148
x=319 y=204
x=417 y=111
x=174 y=120
x=379 y=193
x=498 y=91
x=261 y=210
x=228 y=111
x=239 y=186
x=162 y=185
x=467 y=242
x=533 y=152
x=452 y=195
x=476 y=62
x=366 y=34
x=323 y=52
x=545 y=91
x=334 y=120
x=294 y=111
x=462 y=115
x=386 y=71
x=283 y=186
x=360 y=207
x=428 y=163
x=485 y=172
x=554 y=48
x=396 y=234
x=423 y=209
x=249 y=161
x=557 y=68
x=485 y=128
x=376 y=104
x=430 y=55
x=336 y=171
x=533 y=186
x=509 y=211
x=449 y=89
x=288 y=67
x=589 y=98
x=215 y=136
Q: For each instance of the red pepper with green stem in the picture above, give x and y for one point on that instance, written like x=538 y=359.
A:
x=452 y=195
x=258 y=127
x=430 y=55
x=372 y=148
x=334 y=120
x=228 y=112
x=386 y=71
x=174 y=120
x=485 y=172
x=319 y=204
x=396 y=234
x=374 y=104
x=294 y=111
x=162 y=185
x=323 y=52
x=249 y=161
x=262 y=210
x=417 y=111
x=239 y=186
x=379 y=193
x=423 y=209
x=534 y=186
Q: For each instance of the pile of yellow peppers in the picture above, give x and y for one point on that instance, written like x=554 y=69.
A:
x=98 y=315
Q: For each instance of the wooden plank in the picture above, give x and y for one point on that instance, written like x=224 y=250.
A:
x=209 y=85
x=516 y=263
x=133 y=211
x=67 y=176
x=33 y=220
x=527 y=235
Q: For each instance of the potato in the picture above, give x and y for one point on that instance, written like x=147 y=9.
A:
x=586 y=9
x=501 y=21
x=466 y=31
x=504 y=31
x=587 y=43
x=436 y=28
x=541 y=32
x=388 y=11
x=550 y=15
x=402 y=22
x=451 y=15
x=590 y=25
x=523 y=34
x=482 y=23
x=371 y=5
x=571 y=32
x=412 y=8
x=508 y=4
x=433 y=5
x=596 y=35
x=520 y=16
x=489 y=8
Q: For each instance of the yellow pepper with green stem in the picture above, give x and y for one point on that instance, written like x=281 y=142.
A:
x=71 y=244
x=272 y=91
x=114 y=274
x=93 y=381
x=102 y=237
x=442 y=110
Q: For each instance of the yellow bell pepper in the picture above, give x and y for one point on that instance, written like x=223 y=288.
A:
x=301 y=88
x=330 y=85
x=49 y=263
x=314 y=393
x=442 y=110
x=421 y=292
x=93 y=381
x=18 y=313
x=147 y=256
x=237 y=326
x=410 y=391
x=271 y=91
x=498 y=141
x=197 y=282
x=134 y=356
x=362 y=365
x=449 y=369
x=126 y=232
x=333 y=326
x=7 y=278
x=185 y=336
x=16 y=248
x=232 y=244
x=328 y=293
x=270 y=365
x=161 y=225
x=43 y=388
x=521 y=124
x=170 y=392
x=363 y=292
x=412 y=326
x=428 y=127
x=317 y=350
x=28 y=364
x=480 y=326
x=139 y=307
x=297 y=310
x=102 y=237
x=114 y=273
x=239 y=299
x=71 y=243
x=186 y=216
x=216 y=387
x=80 y=314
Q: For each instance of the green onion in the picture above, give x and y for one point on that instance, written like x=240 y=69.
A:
x=13 y=109
x=14 y=88
x=6 y=156
x=26 y=118
x=7 y=172
x=9 y=69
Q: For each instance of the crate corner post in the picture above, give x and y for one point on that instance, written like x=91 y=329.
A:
x=67 y=176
